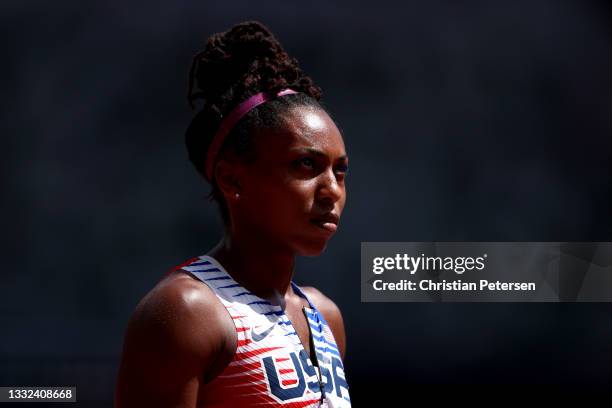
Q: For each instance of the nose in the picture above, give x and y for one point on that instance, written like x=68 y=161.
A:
x=329 y=189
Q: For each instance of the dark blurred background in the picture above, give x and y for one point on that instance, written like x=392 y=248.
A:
x=476 y=121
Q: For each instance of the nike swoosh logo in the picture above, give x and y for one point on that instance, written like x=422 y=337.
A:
x=260 y=336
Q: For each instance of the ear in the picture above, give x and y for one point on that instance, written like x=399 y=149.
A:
x=227 y=175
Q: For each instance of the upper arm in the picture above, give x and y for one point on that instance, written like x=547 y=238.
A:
x=172 y=339
x=332 y=314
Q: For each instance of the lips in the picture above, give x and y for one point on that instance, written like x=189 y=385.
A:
x=328 y=222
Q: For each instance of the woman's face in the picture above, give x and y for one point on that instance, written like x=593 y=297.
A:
x=293 y=194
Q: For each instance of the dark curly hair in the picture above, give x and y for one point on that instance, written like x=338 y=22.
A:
x=233 y=66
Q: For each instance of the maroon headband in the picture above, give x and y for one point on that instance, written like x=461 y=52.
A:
x=230 y=121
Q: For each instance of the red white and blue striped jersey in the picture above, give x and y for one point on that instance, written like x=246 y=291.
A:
x=270 y=367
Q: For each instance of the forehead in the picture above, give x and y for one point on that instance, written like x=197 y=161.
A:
x=305 y=127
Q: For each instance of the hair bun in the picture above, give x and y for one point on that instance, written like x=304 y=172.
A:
x=241 y=62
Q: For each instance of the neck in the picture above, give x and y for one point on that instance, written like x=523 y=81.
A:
x=251 y=262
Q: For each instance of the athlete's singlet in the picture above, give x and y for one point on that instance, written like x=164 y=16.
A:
x=270 y=367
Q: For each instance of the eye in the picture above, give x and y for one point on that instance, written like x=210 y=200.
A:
x=342 y=169
x=306 y=163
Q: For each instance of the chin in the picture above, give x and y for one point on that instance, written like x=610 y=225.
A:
x=312 y=248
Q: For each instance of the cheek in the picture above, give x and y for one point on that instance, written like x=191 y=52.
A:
x=281 y=202
x=293 y=199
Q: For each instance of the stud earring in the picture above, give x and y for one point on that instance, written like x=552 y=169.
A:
x=237 y=195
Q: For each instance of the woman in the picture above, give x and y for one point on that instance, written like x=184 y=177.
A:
x=230 y=328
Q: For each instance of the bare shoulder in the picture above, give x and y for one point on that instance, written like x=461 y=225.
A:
x=175 y=335
x=322 y=302
x=182 y=312
x=331 y=313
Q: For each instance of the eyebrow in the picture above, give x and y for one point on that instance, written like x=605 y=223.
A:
x=318 y=152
